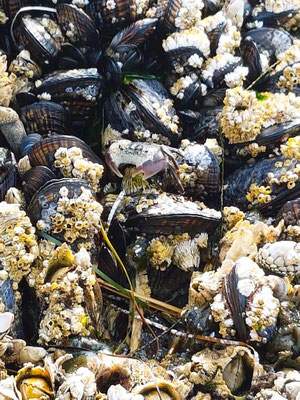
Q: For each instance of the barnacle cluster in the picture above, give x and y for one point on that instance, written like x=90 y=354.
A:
x=253 y=149
x=285 y=175
x=290 y=77
x=262 y=311
x=36 y=276
x=259 y=194
x=203 y=287
x=232 y=215
x=231 y=36
x=181 y=84
x=163 y=111
x=277 y=7
x=52 y=28
x=221 y=61
x=67 y=294
x=74 y=218
x=7 y=82
x=291 y=149
x=18 y=246
x=180 y=250
x=210 y=367
x=72 y=164
x=285 y=385
x=24 y=65
x=245 y=113
x=198 y=166
x=189 y=14
x=292 y=55
x=193 y=37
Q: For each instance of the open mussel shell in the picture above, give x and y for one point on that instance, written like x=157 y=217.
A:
x=42 y=153
x=46 y=117
x=34 y=178
x=49 y=193
x=238 y=373
x=83 y=29
x=166 y=389
x=35 y=383
x=78 y=90
x=34 y=36
x=59 y=264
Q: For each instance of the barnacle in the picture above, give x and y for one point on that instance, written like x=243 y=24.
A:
x=290 y=77
x=18 y=246
x=292 y=55
x=77 y=219
x=291 y=149
x=180 y=250
x=67 y=292
x=7 y=83
x=259 y=194
x=73 y=164
x=160 y=253
x=244 y=114
x=189 y=14
x=23 y=65
x=232 y=215
x=203 y=287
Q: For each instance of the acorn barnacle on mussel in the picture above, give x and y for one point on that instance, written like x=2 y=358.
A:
x=18 y=248
x=70 y=288
x=66 y=156
x=245 y=114
x=67 y=210
x=265 y=184
x=245 y=302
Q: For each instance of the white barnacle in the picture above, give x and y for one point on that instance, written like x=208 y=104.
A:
x=186 y=255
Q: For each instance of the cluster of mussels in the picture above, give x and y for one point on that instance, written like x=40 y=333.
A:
x=149 y=199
